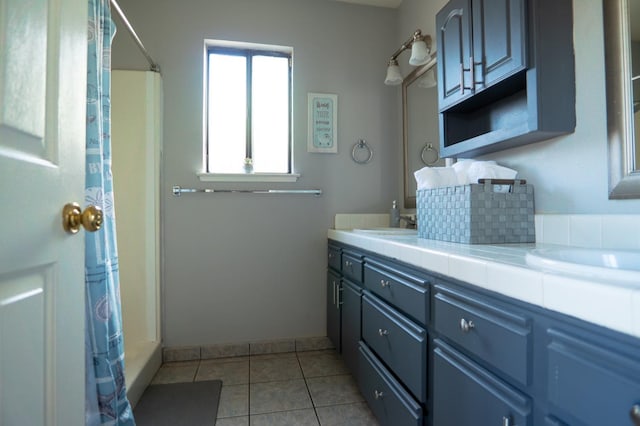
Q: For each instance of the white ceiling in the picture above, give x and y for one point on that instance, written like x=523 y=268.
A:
x=379 y=3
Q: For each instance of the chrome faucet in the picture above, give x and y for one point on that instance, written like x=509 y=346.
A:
x=412 y=221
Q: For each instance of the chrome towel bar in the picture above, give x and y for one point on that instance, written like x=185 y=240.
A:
x=178 y=191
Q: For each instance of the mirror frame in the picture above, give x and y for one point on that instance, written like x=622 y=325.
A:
x=410 y=199
x=624 y=181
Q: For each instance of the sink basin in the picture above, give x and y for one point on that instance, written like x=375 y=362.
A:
x=387 y=231
x=620 y=265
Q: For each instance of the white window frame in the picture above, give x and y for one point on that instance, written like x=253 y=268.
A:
x=208 y=176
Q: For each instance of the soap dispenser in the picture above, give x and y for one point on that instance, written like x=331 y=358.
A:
x=394 y=215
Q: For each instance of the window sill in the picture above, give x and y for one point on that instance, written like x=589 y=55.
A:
x=248 y=177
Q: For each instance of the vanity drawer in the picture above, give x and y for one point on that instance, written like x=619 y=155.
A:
x=497 y=336
x=389 y=402
x=398 y=342
x=467 y=395
x=590 y=382
x=405 y=291
x=352 y=266
x=334 y=259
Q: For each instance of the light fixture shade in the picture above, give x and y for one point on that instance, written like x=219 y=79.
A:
x=419 y=53
x=428 y=80
x=394 y=77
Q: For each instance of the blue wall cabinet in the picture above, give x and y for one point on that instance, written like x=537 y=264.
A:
x=505 y=74
x=480 y=43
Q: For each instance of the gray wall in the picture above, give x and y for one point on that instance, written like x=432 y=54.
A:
x=569 y=173
x=252 y=267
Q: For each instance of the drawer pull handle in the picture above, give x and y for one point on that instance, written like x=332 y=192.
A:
x=384 y=283
x=330 y=255
x=506 y=421
x=635 y=414
x=348 y=264
x=466 y=326
x=382 y=332
x=378 y=395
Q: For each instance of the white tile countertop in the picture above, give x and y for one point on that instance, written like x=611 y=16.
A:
x=504 y=269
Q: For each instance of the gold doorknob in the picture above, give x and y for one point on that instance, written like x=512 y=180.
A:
x=73 y=217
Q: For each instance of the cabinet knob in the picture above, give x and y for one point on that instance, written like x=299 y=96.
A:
x=635 y=414
x=384 y=283
x=378 y=395
x=506 y=421
x=466 y=326
x=382 y=332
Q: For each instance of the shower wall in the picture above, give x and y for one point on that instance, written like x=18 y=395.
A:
x=136 y=110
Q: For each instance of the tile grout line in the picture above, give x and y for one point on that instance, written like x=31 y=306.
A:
x=306 y=385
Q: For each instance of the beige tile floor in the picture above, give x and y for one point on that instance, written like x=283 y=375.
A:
x=289 y=389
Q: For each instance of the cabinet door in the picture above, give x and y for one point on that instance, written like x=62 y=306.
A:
x=467 y=395
x=453 y=26
x=351 y=324
x=334 y=286
x=592 y=381
x=499 y=40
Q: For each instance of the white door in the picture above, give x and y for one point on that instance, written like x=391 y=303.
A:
x=43 y=46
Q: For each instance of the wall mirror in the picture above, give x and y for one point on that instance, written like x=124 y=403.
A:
x=622 y=68
x=420 y=133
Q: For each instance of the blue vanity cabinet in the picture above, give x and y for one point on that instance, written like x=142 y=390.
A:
x=344 y=292
x=351 y=323
x=389 y=401
x=465 y=394
x=398 y=342
x=483 y=356
x=334 y=313
x=394 y=347
x=496 y=336
x=592 y=378
x=429 y=350
x=334 y=258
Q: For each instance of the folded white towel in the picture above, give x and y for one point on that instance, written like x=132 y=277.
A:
x=488 y=170
x=435 y=177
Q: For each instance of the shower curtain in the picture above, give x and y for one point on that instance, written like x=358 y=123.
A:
x=106 y=397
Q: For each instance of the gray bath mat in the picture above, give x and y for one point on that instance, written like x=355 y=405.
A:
x=179 y=404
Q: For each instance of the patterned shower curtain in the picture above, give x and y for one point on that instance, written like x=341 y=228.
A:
x=106 y=397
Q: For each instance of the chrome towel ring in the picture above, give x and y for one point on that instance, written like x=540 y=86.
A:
x=429 y=155
x=361 y=153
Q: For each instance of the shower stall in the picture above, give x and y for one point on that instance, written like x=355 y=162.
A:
x=136 y=110
x=136 y=145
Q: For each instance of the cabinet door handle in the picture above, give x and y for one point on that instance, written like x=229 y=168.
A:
x=635 y=414
x=377 y=394
x=384 y=283
x=382 y=332
x=348 y=264
x=335 y=302
x=330 y=256
x=466 y=326
x=506 y=421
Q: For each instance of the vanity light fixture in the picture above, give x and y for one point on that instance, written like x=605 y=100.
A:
x=420 y=54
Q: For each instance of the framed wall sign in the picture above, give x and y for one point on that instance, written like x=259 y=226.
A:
x=323 y=123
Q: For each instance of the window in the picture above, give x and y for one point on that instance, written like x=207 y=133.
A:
x=248 y=109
